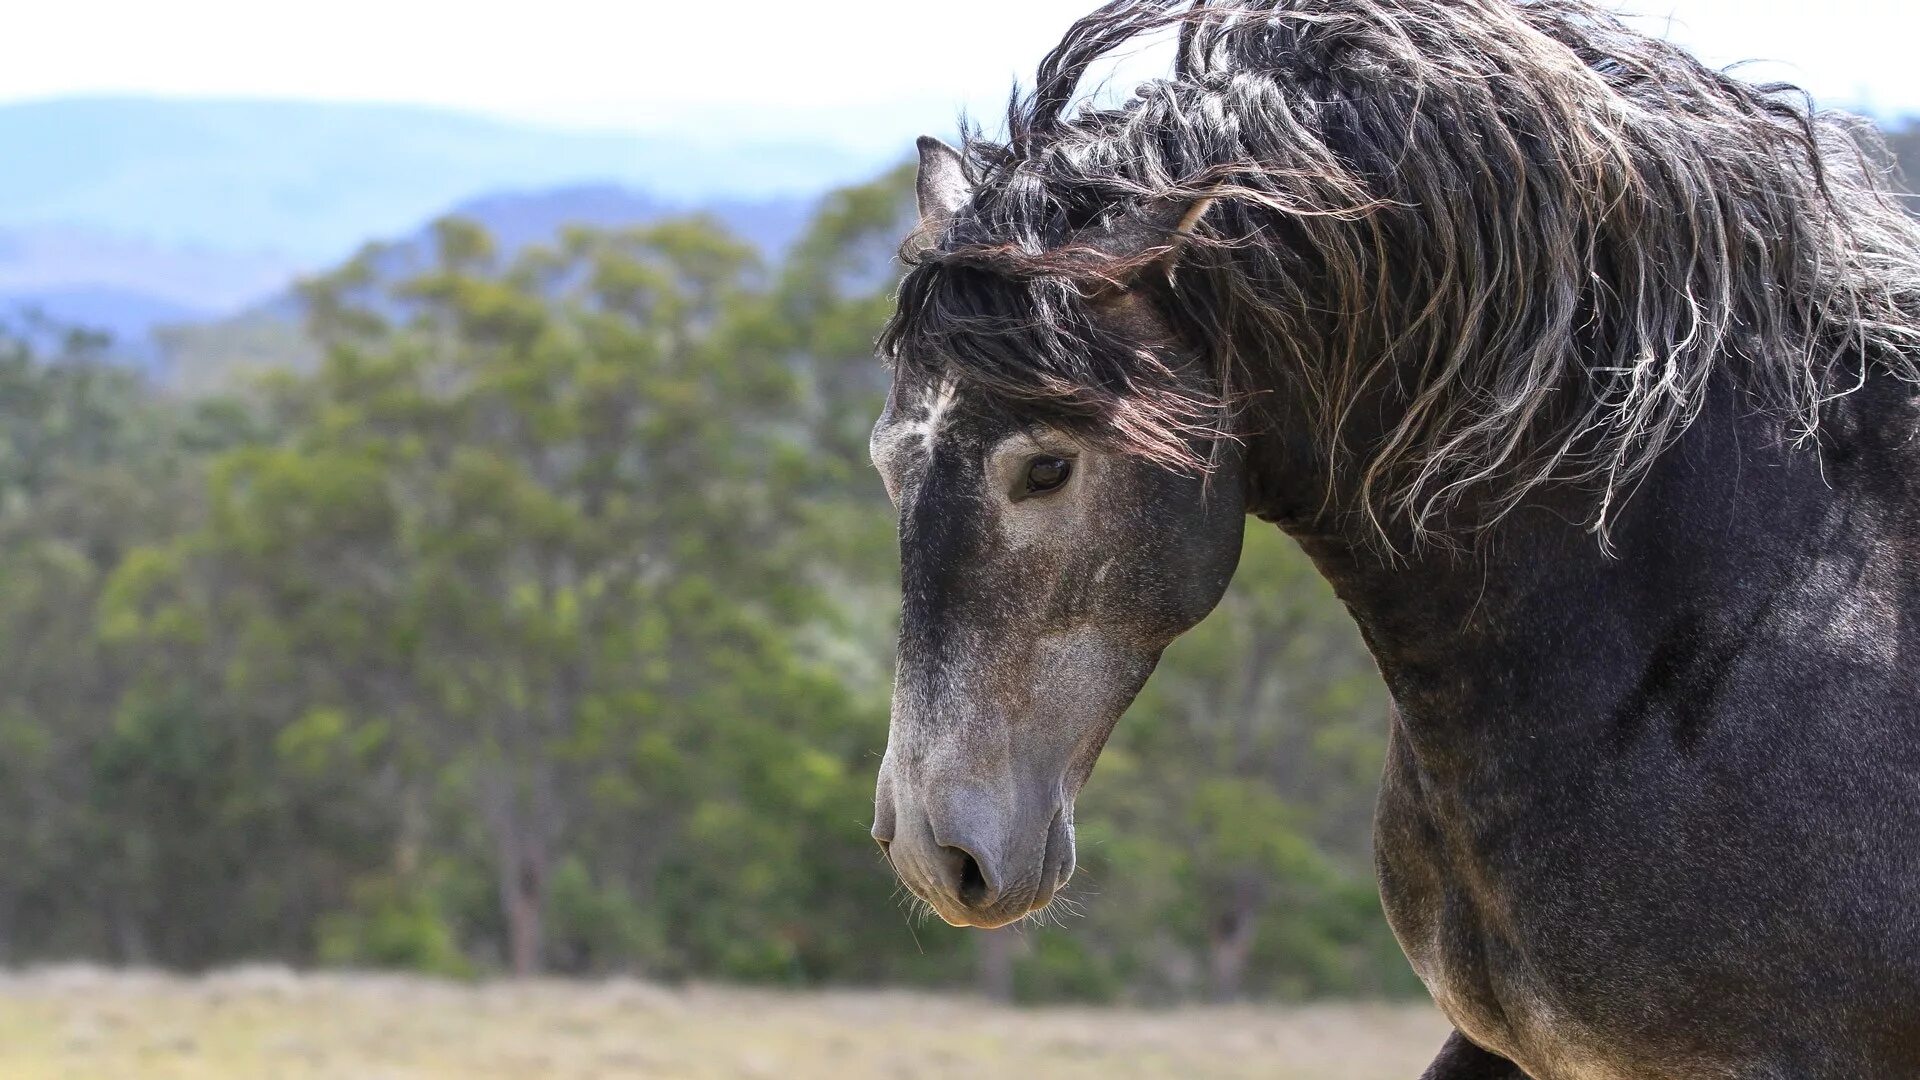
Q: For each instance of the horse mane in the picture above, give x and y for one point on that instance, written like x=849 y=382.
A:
x=1517 y=237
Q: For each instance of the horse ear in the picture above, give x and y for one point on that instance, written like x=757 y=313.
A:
x=1164 y=231
x=1182 y=233
x=941 y=187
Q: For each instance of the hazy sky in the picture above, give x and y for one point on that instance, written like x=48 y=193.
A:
x=854 y=70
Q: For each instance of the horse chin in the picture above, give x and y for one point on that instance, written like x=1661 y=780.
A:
x=1002 y=914
x=981 y=922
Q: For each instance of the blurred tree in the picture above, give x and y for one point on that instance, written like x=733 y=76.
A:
x=545 y=623
x=524 y=541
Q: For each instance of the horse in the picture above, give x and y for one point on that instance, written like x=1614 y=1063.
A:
x=1590 y=379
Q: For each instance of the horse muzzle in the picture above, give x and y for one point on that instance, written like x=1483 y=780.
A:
x=978 y=856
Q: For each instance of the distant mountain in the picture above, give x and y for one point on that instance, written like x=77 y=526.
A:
x=208 y=356
x=309 y=181
x=122 y=214
x=126 y=287
x=126 y=316
x=47 y=259
x=519 y=218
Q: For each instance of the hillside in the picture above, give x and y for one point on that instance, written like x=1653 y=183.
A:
x=45 y=260
x=311 y=181
x=124 y=287
x=195 y=356
x=122 y=214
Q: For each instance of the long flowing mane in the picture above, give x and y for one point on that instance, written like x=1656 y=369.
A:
x=1525 y=233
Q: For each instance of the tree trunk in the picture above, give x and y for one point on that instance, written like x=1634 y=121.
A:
x=129 y=939
x=520 y=872
x=523 y=896
x=1230 y=943
x=994 y=952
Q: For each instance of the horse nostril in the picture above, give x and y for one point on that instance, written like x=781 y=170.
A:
x=973 y=882
x=885 y=847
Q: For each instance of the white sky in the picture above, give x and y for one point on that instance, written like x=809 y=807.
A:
x=853 y=70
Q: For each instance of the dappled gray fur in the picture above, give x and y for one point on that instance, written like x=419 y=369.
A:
x=1521 y=232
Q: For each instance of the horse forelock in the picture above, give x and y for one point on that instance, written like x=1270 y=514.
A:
x=1536 y=231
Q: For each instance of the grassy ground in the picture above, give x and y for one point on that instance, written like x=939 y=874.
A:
x=275 y=1025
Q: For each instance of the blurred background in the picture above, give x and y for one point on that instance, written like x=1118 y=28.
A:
x=436 y=538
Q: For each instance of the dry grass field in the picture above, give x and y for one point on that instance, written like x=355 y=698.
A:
x=271 y=1024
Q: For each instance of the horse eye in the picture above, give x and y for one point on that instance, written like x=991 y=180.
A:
x=1046 y=473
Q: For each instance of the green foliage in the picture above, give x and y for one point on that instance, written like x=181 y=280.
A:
x=543 y=621
x=392 y=923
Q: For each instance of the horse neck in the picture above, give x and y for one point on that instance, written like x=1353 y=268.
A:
x=1540 y=626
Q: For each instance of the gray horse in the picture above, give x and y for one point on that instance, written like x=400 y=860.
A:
x=1585 y=374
